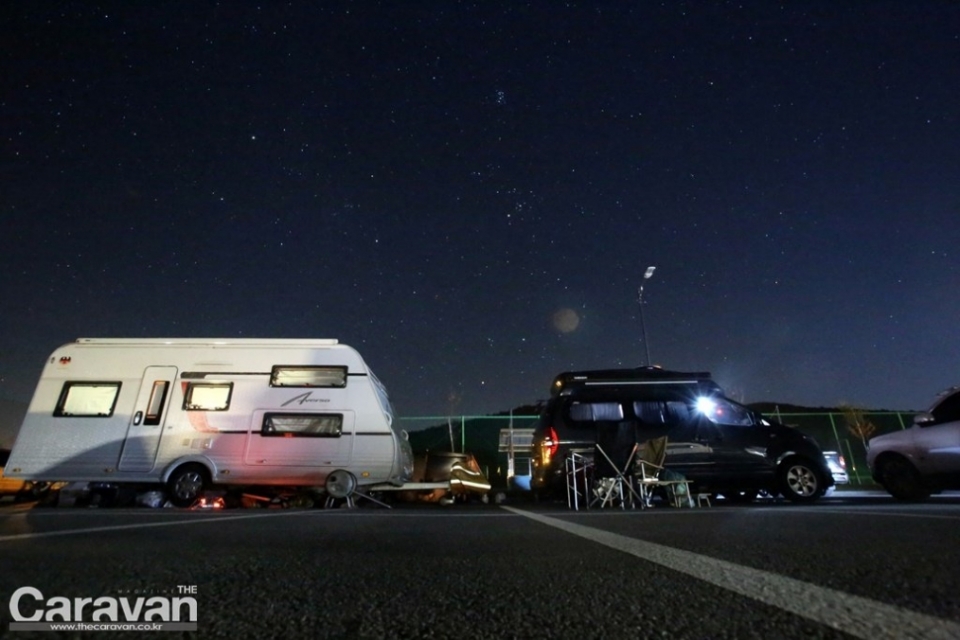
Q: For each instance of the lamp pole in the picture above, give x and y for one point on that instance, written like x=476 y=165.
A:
x=643 y=329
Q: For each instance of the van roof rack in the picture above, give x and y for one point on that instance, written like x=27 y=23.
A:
x=638 y=375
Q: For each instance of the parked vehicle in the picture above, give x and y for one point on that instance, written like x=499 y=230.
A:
x=838 y=467
x=924 y=459
x=720 y=445
x=14 y=487
x=190 y=413
x=458 y=474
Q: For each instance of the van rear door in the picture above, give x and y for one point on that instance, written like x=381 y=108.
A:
x=148 y=419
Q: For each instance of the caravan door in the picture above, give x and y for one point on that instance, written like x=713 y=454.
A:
x=149 y=415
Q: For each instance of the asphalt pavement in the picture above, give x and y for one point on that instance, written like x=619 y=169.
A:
x=856 y=564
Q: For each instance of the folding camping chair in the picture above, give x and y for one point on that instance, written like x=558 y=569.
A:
x=615 y=453
x=579 y=469
x=649 y=468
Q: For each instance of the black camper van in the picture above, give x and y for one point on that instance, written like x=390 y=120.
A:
x=721 y=446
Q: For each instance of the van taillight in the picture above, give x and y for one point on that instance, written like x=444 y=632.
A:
x=549 y=446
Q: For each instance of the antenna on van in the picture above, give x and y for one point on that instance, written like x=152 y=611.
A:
x=643 y=329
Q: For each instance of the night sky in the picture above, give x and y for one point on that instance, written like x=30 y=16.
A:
x=470 y=193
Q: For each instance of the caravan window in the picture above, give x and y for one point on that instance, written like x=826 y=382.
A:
x=302 y=425
x=207 y=396
x=87 y=400
x=158 y=394
x=283 y=376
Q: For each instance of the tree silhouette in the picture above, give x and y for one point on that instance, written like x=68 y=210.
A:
x=857 y=424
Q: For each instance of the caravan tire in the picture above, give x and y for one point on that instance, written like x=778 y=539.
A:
x=186 y=484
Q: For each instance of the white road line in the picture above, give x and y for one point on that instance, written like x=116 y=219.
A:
x=855 y=615
x=142 y=525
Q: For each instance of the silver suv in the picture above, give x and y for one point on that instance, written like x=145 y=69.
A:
x=924 y=459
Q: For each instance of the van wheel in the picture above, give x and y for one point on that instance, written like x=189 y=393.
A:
x=800 y=481
x=902 y=481
x=186 y=484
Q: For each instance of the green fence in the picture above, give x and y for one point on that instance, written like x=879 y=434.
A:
x=830 y=431
x=480 y=436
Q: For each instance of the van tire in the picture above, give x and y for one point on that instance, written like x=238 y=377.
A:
x=186 y=484
x=799 y=480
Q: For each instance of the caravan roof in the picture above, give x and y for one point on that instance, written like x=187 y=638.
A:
x=91 y=355
x=212 y=342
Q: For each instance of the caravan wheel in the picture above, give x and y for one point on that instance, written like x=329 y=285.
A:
x=186 y=484
x=340 y=484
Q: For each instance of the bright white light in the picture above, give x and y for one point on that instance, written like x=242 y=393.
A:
x=706 y=406
x=649 y=273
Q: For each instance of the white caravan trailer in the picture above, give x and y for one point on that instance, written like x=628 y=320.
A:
x=191 y=413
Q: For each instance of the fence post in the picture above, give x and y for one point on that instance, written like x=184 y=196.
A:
x=853 y=463
x=836 y=436
x=900 y=418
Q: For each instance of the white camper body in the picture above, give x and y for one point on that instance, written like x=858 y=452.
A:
x=189 y=412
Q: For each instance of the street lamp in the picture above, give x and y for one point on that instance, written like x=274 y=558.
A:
x=643 y=329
